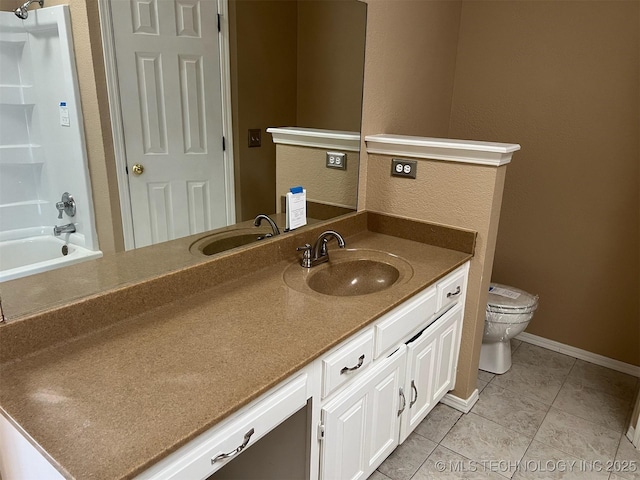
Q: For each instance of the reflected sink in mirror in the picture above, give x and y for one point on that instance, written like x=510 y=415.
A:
x=350 y=272
x=221 y=242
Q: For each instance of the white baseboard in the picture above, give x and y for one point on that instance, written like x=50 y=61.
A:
x=461 y=404
x=581 y=354
x=631 y=435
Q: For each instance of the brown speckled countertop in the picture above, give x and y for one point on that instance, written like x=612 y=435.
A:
x=110 y=402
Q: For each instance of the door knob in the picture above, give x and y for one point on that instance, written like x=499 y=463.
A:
x=137 y=169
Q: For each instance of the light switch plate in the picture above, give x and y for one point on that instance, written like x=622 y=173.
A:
x=337 y=160
x=255 y=137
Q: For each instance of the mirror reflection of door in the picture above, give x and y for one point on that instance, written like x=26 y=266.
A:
x=169 y=77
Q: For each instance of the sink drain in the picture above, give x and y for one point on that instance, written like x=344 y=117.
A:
x=65 y=250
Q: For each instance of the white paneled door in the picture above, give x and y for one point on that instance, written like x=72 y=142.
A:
x=169 y=77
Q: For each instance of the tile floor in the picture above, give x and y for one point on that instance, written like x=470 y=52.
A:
x=551 y=414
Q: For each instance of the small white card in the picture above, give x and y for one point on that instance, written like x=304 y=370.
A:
x=503 y=292
x=296 y=209
x=64 y=114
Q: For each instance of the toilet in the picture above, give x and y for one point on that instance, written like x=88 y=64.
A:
x=509 y=311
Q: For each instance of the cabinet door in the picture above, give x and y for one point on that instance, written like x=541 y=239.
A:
x=448 y=338
x=421 y=367
x=432 y=358
x=361 y=425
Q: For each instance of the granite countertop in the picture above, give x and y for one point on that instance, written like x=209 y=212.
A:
x=111 y=402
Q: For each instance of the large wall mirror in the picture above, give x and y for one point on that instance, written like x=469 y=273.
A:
x=292 y=63
x=284 y=63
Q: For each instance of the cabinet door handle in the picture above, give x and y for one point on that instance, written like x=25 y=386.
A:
x=404 y=402
x=453 y=294
x=245 y=442
x=414 y=390
x=350 y=369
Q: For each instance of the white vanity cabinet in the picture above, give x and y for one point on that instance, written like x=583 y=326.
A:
x=416 y=352
x=360 y=425
x=213 y=450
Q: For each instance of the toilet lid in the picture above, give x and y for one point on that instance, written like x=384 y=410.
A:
x=506 y=299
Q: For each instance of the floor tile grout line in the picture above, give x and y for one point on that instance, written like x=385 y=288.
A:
x=627 y=414
x=509 y=428
x=598 y=388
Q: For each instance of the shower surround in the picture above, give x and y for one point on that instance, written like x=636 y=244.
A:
x=42 y=148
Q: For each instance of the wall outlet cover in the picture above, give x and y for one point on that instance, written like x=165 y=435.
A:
x=336 y=160
x=403 y=168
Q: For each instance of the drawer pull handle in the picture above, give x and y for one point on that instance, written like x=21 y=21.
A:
x=350 y=369
x=404 y=402
x=414 y=390
x=222 y=456
x=457 y=292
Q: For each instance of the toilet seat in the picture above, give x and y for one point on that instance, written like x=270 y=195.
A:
x=510 y=303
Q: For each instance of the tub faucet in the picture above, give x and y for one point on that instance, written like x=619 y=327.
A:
x=319 y=253
x=274 y=227
x=68 y=228
x=67 y=205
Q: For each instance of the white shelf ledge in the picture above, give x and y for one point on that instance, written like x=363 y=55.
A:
x=465 y=151
x=317 y=138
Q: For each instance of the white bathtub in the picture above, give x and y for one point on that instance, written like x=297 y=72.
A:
x=26 y=256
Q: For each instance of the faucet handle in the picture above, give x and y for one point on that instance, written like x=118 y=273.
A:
x=67 y=205
x=306 y=255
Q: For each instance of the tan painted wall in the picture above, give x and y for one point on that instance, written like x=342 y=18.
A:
x=409 y=68
x=409 y=73
x=307 y=167
x=266 y=43
x=331 y=38
x=87 y=40
x=562 y=79
x=283 y=56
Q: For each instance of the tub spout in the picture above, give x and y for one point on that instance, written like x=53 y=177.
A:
x=69 y=228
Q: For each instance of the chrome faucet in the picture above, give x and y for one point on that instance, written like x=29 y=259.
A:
x=68 y=228
x=274 y=227
x=319 y=253
x=67 y=205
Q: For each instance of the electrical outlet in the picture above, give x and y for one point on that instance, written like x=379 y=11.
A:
x=337 y=160
x=403 y=168
x=255 y=137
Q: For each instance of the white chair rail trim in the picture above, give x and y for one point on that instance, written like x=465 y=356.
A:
x=465 y=151
x=316 y=138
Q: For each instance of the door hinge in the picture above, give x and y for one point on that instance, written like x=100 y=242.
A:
x=320 y=431
x=224 y=145
x=218 y=22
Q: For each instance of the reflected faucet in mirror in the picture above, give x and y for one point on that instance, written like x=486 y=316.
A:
x=258 y=221
x=22 y=11
x=67 y=205
x=68 y=228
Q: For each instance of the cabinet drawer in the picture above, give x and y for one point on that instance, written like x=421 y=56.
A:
x=197 y=459
x=452 y=288
x=346 y=362
x=395 y=326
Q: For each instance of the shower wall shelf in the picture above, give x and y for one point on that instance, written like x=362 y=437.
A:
x=27 y=203
x=17 y=95
x=21 y=155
